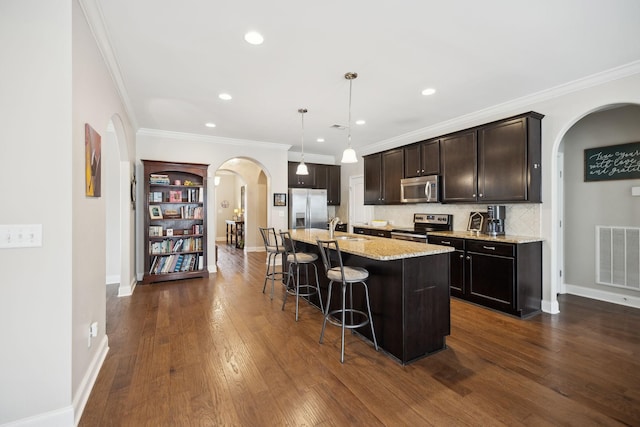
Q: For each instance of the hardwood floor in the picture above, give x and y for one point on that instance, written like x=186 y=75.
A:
x=219 y=352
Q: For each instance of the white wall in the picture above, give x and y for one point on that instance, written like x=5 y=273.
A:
x=588 y=204
x=52 y=81
x=36 y=166
x=179 y=147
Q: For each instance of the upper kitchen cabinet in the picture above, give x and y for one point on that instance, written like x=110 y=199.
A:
x=328 y=177
x=422 y=159
x=382 y=175
x=497 y=162
x=509 y=156
x=301 y=181
x=458 y=157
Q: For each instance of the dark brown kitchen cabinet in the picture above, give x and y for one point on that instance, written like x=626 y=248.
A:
x=502 y=276
x=301 y=181
x=497 y=162
x=325 y=177
x=456 y=262
x=382 y=175
x=422 y=159
x=372 y=232
x=458 y=164
x=509 y=160
x=331 y=182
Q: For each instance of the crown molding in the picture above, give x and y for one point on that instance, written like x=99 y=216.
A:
x=522 y=103
x=183 y=136
x=93 y=15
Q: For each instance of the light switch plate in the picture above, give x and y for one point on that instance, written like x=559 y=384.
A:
x=20 y=235
x=635 y=191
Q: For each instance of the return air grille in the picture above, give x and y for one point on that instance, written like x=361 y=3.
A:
x=618 y=256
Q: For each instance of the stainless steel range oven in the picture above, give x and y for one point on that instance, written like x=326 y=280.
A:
x=422 y=224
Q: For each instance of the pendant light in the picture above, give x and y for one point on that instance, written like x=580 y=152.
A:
x=349 y=155
x=302 y=168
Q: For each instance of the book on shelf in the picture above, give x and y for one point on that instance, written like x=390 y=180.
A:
x=171 y=214
x=155 y=196
x=159 y=179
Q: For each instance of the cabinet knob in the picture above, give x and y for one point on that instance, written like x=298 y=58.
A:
x=461 y=256
x=418 y=171
x=468 y=257
x=473 y=195
x=536 y=165
x=480 y=194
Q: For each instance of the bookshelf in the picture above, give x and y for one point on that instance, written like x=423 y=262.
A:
x=175 y=212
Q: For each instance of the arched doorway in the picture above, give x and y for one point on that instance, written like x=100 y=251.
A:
x=243 y=186
x=583 y=205
x=120 y=219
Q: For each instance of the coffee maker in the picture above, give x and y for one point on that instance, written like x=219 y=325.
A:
x=495 y=220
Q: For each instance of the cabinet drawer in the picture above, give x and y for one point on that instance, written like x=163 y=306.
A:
x=380 y=233
x=358 y=230
x=447 y=241
x=491 y=248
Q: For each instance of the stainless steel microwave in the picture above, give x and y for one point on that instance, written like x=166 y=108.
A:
x=423 y=189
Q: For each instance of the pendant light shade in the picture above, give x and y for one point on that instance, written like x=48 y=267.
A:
x=349 y=155
x=302 y=168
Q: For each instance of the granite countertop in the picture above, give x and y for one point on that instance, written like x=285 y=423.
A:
x=378 y=248
x=471 y=235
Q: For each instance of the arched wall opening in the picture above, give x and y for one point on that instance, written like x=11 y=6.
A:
x=242 y=190
x=582 y=205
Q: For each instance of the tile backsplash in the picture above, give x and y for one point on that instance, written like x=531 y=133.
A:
x=521 y=219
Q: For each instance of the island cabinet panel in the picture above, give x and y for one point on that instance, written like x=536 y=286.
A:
x=409 y=302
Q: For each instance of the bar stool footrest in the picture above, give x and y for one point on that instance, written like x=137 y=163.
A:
x=334 y=320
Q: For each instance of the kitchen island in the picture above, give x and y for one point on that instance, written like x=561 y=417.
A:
x=408 y=289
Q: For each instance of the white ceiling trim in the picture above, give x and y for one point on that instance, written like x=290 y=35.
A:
x=211 y=139
x=94 y=17
x=488 y=114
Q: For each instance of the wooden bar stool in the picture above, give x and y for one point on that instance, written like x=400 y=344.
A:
x=347 y=276
x=295 y=260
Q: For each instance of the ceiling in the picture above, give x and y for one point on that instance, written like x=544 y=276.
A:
x=175 y=58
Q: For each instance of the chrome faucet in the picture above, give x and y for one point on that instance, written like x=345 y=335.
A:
x=332 y=226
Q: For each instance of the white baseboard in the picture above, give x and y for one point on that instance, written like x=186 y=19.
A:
x=600 y=295
x=62 y=417
x=126 y=291
x=84 y=390
x=254 y=249
x=212 y=268
x=551 y=307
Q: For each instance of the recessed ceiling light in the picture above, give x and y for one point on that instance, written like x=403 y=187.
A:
x=360 y=122
x=429 y=91
x=253 y=37
x=225 y=96
x=320 y=139
x=210 y=125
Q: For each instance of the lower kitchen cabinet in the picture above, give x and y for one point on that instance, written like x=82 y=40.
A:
x=502 y=276
x=372 y=232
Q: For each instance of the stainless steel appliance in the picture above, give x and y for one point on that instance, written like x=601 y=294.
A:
x=495 y=220
x=308 y=208
x=422 y=224
x=423 y=189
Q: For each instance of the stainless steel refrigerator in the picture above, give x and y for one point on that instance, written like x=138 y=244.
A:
x=308 y=208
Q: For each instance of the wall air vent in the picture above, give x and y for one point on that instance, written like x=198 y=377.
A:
x=618 y=256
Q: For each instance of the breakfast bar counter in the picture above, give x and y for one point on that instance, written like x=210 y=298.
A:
x=408 y=288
